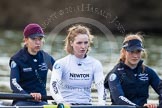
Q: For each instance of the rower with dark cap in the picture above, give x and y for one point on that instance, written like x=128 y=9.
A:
x=130 y=79
x=29 y=67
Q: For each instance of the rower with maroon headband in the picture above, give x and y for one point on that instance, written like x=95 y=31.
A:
x=29 y=67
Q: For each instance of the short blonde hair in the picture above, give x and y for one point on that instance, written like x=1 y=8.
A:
x=72 y=33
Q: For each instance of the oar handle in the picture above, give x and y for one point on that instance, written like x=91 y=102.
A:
x=21 y=96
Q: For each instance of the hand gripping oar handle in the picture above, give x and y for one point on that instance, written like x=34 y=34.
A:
x=21 y=96
x=146 y=107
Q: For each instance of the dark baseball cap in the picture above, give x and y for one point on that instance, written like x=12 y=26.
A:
x=133 y=45
x=33 y=30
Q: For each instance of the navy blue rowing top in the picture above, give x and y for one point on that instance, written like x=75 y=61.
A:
x=29 y=72
x=131 y=86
